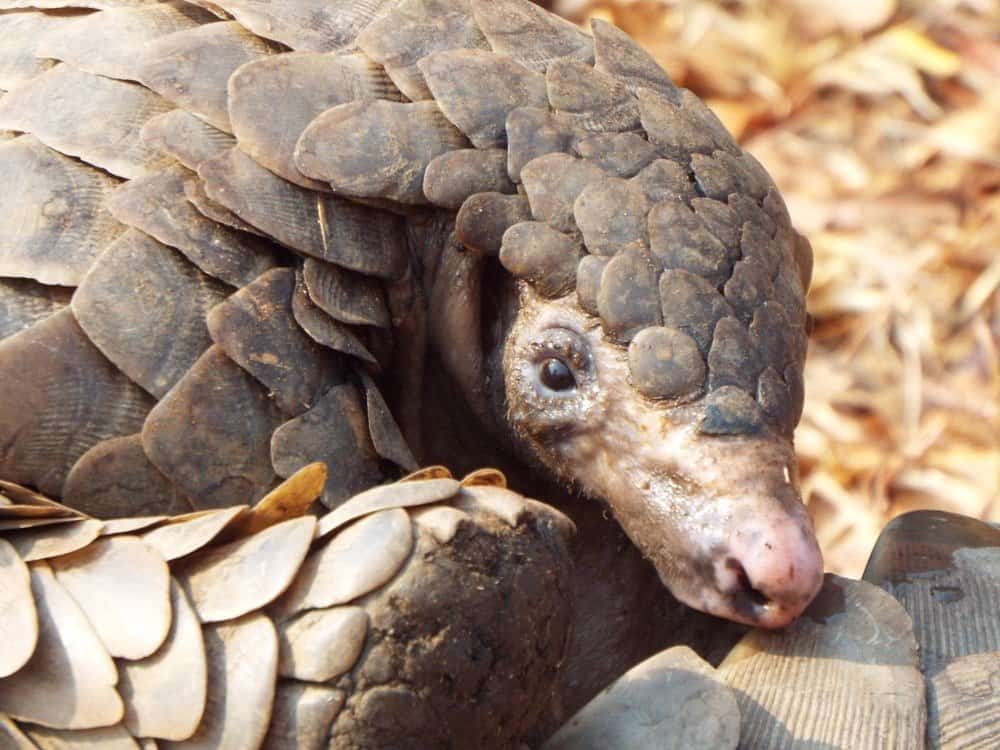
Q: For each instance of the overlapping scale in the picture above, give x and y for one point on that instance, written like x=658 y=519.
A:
x=52 y=214
x=69 y=681
x=186 y=535
x=619 y=154
x=544 y=257
x=289 y=500
x=307 y=84
x=346 y=296
x=322 y=644
x=110 y=43
x=477 y=90
x=226 y=582
x=666 y=363
x=165 y=693
x=21 y=33
x=302 y=715
x=122 y=586
x=256 y=329
x=589 y=99
x=334 y=431
x=360 y=238
x=157 y=206
x=194 y=192
x=345 y=146
x=611 y=214
x=186 y=138
x=21 y=624
x=137 y=279
x=324 y=329
x=628 y=299
x=51 y=370
x=97 y=119
x=312 y=25
x=616 y=53
x=529 y=34
x=191 y=68
x=553 y=183
x=360 y=558
x=457 y=175
x=43 y=542
x=242 y=658
x=485 y=217
x=533 y=132
x=411 y=30
x=387 y=437
x=411 y=493
x=60 y=4
x=211 y=433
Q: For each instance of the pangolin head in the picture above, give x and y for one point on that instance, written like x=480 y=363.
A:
x=656 y=357
x=661 y=369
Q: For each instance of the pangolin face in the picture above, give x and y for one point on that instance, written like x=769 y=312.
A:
x=703 y=481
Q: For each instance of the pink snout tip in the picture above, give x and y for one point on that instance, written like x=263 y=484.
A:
x=770 y=572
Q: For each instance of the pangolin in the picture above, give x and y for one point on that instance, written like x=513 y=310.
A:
x=241 y=237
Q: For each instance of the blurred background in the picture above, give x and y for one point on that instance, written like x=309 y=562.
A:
x=880 y=122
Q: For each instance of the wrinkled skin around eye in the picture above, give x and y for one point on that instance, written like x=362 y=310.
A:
x=719 y=516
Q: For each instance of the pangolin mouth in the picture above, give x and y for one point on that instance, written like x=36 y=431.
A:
x=736 y=598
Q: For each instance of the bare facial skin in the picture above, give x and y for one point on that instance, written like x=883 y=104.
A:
x=719 y=517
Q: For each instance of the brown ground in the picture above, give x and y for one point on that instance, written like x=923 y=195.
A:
x=880 y=121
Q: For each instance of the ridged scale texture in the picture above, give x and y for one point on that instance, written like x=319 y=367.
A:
x=945 y=571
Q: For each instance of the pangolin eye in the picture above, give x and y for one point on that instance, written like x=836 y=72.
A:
x=556 y=375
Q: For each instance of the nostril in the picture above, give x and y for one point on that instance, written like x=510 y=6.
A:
x=768 y=571
x=754 y=595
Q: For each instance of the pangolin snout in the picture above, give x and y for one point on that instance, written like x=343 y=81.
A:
x=768 y=573
x=751 y=557
x=723 y=522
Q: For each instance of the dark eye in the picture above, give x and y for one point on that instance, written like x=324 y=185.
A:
x=556 y=375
